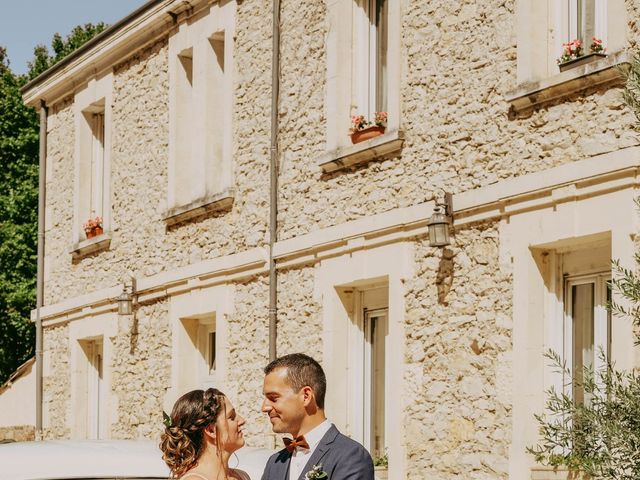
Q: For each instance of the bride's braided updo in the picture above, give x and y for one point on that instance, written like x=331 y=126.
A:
x=181 y=441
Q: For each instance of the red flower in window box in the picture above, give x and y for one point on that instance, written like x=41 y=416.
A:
x=93 y=227
x=362 y=129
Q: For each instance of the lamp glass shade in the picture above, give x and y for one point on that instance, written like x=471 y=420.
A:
x=438 y=230
x=125 y=304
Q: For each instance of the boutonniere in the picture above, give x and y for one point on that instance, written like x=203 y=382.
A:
x=316 y=473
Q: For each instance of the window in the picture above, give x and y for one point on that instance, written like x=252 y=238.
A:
x=184 y=113
x=587 y=327
x=200 y=114
x=371 y=21
x=199 y=334
x=375 y=334
x=369 y=360
x=363 y=66
x=95 y=389
x=364 y=345
x=206 y=342
x=92 y=156
x=90 y=352
x=199 y=350
x=95 y=122
x=581 y=19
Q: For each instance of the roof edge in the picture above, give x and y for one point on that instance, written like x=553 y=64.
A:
x=153 y=20
x=89 y=45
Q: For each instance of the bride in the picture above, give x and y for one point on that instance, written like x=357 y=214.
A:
x=200 y=436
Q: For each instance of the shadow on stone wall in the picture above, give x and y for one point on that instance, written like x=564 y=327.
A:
x=444 y=278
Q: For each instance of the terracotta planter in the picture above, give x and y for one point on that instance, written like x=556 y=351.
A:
x=591 y=57
x=93 y=232
x=367 y=134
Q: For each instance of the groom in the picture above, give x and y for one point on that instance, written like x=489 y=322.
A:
x=294 y=388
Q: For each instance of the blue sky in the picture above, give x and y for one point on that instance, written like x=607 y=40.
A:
x=27 y=23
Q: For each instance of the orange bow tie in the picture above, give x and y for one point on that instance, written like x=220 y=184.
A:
x=292 y=444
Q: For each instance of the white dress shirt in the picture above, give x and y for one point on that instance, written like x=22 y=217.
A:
x=301 y=456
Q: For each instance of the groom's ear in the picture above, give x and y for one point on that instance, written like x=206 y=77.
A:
x=308 y=396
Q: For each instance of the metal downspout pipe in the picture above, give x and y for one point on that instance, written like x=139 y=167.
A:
x=273 y=184
x=42 y=160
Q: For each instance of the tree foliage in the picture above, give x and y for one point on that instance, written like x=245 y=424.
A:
x=18 y=220
x=42 y=59
x=19 y=145
x=631 y=93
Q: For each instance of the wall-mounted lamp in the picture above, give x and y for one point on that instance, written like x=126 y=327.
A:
x=126 y=298
x=440 y=221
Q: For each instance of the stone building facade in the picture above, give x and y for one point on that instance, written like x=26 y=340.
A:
x=161 y=126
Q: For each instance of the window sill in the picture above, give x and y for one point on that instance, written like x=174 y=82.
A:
x=383 y=146
x=201 y=207
x=601 y=72
x=90 y=246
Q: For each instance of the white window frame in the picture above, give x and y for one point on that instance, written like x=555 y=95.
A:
x=207 y=327
x=97 y=163
x=568 y=24
x=601 y=327
x=92 y=153
x=82 y=334
x=373 y=413
x=368 y=77
x=195 y=313
x=367 y=300
x=201 y=109
x=349 y=26
x=95 y=389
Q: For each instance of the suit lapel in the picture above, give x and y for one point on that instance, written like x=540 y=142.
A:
x=320 y=450
x=281 y=469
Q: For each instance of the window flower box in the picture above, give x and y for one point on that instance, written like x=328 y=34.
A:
x=362 y=129
x=367 y=134
x=93 y=227
x=573 y=55
x=592 y=57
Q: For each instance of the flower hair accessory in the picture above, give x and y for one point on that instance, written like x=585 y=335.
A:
x=166 y=419
x=316 y=473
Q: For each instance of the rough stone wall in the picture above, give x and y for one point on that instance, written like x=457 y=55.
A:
x=60 y=185
x=248 y=329
x=299 y=315
x=248 y=222
x=141 y=368
x=458 y=64
x=141 y=244
x=56 y=383
x=458 y=360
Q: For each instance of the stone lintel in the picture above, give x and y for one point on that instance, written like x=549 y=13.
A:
x=219 y=202
x=385 y=145
x=90 y=245
x=601 y=72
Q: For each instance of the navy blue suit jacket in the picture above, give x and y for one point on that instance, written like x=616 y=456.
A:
x=341 y=457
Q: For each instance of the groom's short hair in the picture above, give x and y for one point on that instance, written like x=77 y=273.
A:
x=302 y=371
